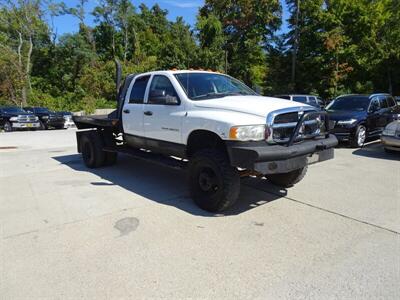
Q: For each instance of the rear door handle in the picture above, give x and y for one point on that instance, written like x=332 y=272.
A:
x=126 y=111
x=148 y=113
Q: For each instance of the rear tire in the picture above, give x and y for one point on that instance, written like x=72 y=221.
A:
x=92 y=153
x=7 y=127
x=288 y=179
x=214 y=183
x=111 y=158
x=359 y=138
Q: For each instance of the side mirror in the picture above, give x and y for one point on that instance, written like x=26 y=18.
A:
x=161 y=97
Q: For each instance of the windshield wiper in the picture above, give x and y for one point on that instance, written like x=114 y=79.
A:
x=218 y=95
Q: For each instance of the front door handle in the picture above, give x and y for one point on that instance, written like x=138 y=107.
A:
x=148 y=113
x=126 y=111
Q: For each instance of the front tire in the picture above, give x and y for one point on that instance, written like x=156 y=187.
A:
x=360 y=137
x=8 y=127
x=288 y=179
x=214 y=183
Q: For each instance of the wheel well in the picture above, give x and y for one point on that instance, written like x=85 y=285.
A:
x=203 y=139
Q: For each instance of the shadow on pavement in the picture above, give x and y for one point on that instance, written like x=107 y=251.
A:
x=376 y=150
x=169 y=186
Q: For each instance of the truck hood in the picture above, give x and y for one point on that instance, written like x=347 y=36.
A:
x=254 y=105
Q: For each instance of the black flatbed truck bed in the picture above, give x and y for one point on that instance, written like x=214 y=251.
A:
x=96 y=121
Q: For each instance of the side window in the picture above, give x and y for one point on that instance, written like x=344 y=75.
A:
x=382 y=101
x=162 y=91
x=391 y=101
x=138 y=90
x=374 y=106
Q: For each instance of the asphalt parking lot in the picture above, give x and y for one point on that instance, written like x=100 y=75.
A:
x=130 y=231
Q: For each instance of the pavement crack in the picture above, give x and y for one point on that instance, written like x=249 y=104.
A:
x=326 y=210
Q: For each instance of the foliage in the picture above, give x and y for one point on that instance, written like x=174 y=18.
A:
x=331 y=47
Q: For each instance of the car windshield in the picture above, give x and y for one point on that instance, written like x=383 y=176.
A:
x=203 y=86
x=13 y=110
x=349 y=103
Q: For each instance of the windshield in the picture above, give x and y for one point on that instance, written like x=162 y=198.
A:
x=349 y=103
x=203 y=86
x=13 y=110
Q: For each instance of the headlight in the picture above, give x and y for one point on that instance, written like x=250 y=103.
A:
x=347 y=122
x=389 y=132
x=45 y=117
x=36 y=118
x=248 y=133
x=13 y=119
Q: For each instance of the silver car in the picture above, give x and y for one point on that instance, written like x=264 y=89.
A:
x=391 y=136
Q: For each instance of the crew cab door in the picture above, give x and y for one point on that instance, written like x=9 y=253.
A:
x=163 y=113
x=132 y=112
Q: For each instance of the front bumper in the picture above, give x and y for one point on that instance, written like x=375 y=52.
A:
x=274 y=159
x=343 y=133
x=391 y=142
x=20 y=125
x=55 y=123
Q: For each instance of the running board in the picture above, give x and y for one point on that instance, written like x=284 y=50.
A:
x=145 y=155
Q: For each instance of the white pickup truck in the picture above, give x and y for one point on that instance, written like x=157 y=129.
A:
x=212 y=125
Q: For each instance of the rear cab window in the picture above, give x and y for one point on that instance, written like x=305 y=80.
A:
x=138 y=90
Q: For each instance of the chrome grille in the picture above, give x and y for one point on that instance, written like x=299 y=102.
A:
x=283 y=123
x=26 y=118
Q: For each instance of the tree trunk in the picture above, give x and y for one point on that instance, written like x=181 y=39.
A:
x=295 y=45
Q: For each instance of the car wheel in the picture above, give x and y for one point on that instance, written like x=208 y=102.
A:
x=360 y=137
x=8 y=127
x=92 y=152
x=214 y=183
x=288 y=179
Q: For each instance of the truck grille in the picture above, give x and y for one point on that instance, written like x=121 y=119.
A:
x=26 y=118
x=282 y=126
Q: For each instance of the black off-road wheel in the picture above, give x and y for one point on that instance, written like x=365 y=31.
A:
x=214 y=183
x=92 y=152
x=7 y=127
x=288 y=179
x=359 y=138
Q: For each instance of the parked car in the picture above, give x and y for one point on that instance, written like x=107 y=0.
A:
x=47 y=118
x=68 y=122
x=391 y=136
x=13 y=118
x=354 y=118
x=221 y=128
x=306 y=99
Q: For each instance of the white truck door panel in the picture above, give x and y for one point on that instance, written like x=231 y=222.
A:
x=132 y=112
x=162 y=120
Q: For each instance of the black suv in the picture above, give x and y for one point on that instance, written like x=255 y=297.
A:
x=13 y=118
x=47 y=118
x=355 y=118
